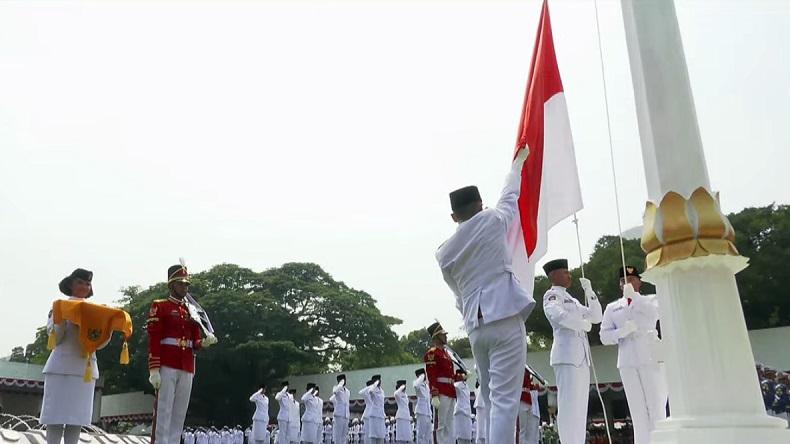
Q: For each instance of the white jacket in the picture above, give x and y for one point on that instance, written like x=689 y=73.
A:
x=638 y=348
x=261 y=407
x=341 y=395
x=284 y=398
x=402 y=399
x=376 y=396
x=476 y=262
x=423 y=405
x=566 y=316
x=463 y=404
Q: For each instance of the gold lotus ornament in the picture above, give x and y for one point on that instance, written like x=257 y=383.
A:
x=681 y=228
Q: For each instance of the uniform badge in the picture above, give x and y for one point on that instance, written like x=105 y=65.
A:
x=153 y=310
x=553 y=297
x=94 y=334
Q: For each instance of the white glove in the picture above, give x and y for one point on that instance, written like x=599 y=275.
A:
x=588 y=290
x=210 y=340
x=627 y=329
x=155 y=378
x=586 y=325
x=628 y=291
x=435 y=402
x=522 y=156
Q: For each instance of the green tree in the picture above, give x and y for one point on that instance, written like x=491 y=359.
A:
x=462 y=346
x=415 y=343
x=763 y=235
x=17 y=355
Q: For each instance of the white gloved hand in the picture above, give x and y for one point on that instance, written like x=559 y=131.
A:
x=586 y=325
x=210 y=340
x=587 y=287
x=628 y=329
x=628 y=291
x=155 y=378
x=435 y=402
x=521 y=157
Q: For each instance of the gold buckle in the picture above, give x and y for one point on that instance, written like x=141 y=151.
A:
x=182 y=343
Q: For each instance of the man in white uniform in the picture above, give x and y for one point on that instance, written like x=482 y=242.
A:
x=570 y=352
x=476 y=263
x=294 y=425
x=403 y=414
x=630 y=322
x=260 y=419
x=311 y=418
x=341 y=397
x=422 y=409
x=462 y=415
x=284 y=415
x=376 y=429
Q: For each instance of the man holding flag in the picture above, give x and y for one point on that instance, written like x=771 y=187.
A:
x=489 y=262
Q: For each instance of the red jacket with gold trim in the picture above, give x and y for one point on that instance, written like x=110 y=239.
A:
x=440 y=371
x=526 y=396
x=172 y=336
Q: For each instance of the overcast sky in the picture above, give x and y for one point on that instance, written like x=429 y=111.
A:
x=259 y=133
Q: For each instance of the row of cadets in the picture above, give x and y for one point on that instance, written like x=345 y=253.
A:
x=340 y=400
x=260 y=419
x=422 y=408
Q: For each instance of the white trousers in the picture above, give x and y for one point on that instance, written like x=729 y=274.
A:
x=481 y=424
x=424 y=427
x=443 y=427
x=528 y=427
x=310 y=431
x=646 y=400
x=171 y=405
x=500 y=351
x=282 y=434
x=573 y=394
x=463 y=428
x=340 y=430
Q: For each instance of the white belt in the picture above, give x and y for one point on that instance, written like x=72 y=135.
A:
x=445 y=380
x=183 y=343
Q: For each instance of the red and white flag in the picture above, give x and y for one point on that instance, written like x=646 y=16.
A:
x=550 y=189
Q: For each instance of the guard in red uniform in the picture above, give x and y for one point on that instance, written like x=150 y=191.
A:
x=441 y=376
x=173 y=337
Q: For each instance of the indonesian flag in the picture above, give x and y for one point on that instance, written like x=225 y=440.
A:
x=550 y=189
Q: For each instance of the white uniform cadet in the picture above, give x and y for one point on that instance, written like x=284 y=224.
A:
x=284 y=415
x=422 y=409
x=260 y=419
x=481 y=418
x=570 y=321
x=376 y=430
x=341 y=397
x=311 y=418
x=294 y=425
x=403 y=415
x=476 y=263
x=462 y=415
x=630 y=322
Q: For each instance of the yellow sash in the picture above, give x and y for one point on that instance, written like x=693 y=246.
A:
x=96 y=323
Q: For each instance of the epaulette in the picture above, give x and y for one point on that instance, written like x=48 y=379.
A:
x=432 y=349
x=157 y=301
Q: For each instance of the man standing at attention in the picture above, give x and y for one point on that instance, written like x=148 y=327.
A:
x=570 y=351
x=476 y=263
